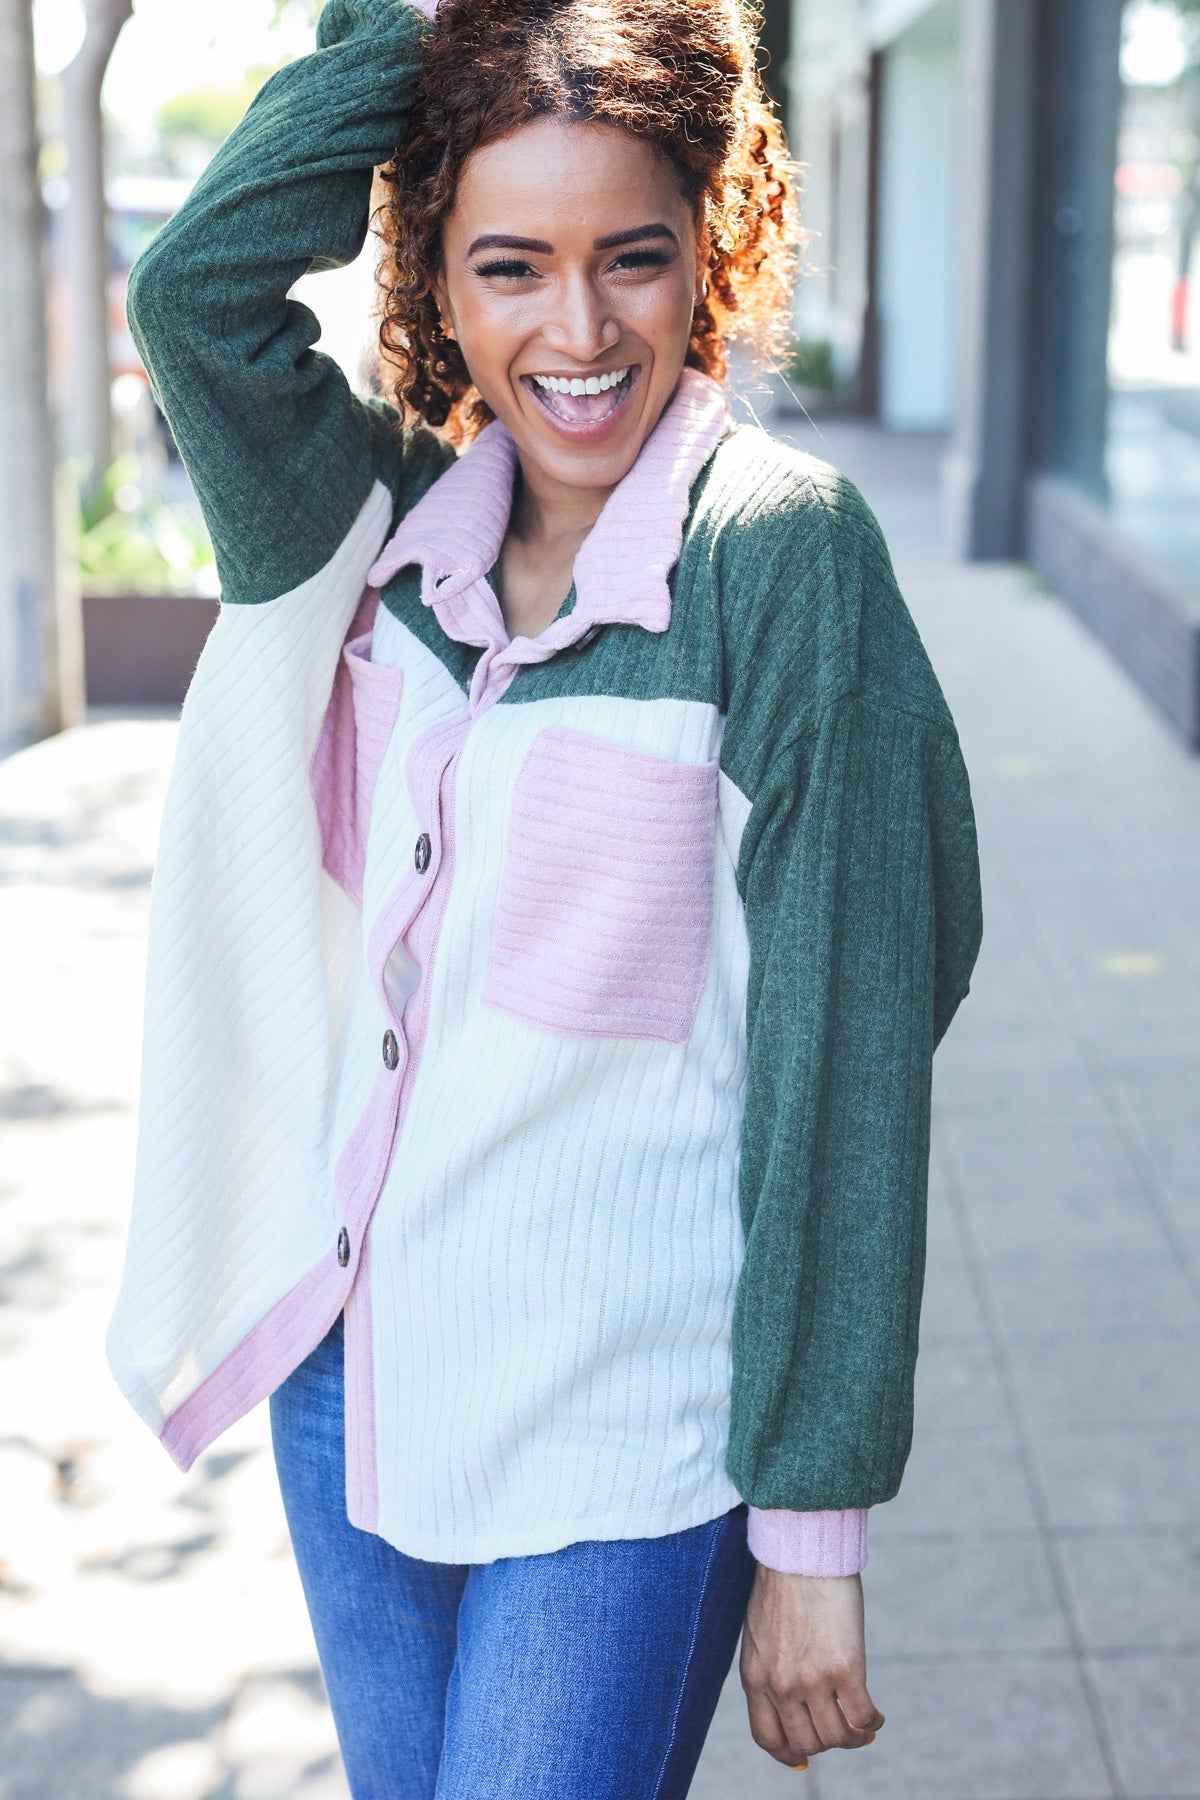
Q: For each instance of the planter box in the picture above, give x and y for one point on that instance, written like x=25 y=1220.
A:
x=142 y=649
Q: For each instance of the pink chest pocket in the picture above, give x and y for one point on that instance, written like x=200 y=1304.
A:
x=604 y=919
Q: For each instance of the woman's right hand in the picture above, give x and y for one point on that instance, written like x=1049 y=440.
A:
x=803 y=1666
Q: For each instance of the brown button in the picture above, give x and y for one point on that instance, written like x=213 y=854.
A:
x=343 y=1247
x=391 y=1050
x=423 y=853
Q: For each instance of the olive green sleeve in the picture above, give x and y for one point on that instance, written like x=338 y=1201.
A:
x=861 y=888
x=281 y=452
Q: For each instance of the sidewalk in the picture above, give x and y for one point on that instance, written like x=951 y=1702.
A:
x=153 y=1643
x=1033 y=1594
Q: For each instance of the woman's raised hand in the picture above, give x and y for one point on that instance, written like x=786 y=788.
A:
x=803 y=1665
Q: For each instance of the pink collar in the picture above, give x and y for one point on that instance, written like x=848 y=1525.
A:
x=456 y=530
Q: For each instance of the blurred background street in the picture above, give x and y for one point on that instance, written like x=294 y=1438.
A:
x=999 y=340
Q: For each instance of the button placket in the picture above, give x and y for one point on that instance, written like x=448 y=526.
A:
x=424 y=861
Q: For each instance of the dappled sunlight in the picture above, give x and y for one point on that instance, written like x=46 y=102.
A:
x=118 y=1574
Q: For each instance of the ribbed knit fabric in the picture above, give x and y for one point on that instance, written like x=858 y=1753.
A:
x=604 y=917
x=627 y=1211
x=813 y=1543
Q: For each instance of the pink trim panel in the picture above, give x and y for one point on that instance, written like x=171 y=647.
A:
x=265 y=1357
x=362 y=1472
x=354 y=736
x=604 y=920
x=809 y=1543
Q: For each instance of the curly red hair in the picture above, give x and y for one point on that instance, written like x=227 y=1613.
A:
x=681 y=74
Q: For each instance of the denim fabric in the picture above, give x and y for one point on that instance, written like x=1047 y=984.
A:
x=590 y=1673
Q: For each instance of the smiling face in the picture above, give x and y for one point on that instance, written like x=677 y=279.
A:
x=570 y=270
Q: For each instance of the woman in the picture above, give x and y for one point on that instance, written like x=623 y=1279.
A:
x=567 y=873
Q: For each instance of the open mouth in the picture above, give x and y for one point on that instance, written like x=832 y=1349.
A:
x=583 y=402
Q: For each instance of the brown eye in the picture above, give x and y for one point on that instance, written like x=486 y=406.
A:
x=508 y=268
x=644 y=259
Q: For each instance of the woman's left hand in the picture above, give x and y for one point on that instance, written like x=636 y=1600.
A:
x=804 y=1665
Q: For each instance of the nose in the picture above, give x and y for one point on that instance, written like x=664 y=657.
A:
x=580 y=326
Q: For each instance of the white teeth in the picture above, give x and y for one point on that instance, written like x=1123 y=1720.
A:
x=575 y=384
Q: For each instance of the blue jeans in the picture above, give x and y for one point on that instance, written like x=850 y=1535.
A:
x=588 y=1673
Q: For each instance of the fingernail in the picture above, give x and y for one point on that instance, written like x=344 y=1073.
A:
x=802 y=1765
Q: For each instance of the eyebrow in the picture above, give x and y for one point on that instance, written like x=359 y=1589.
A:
x=616 y=239
x=496 y=240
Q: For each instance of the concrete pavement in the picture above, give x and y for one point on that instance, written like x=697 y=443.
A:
x=153 y=1643
x=1033 y=1594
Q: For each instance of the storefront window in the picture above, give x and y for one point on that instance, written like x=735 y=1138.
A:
x=1153 y=444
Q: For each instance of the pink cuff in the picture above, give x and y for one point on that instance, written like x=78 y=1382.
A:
x=428 y=7
x=809 y=1543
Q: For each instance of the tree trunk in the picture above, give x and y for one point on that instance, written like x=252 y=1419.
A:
x=33 y=700
x=89 y=392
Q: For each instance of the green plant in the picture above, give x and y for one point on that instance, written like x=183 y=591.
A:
x=809 y=364
x=205 y=116
x=135 y=542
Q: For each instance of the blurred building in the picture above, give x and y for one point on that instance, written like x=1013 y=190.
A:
x=1006 y=207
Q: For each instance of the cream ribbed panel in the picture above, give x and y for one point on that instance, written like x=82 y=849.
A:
x=248 y=954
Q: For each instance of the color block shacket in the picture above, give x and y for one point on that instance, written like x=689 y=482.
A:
x=562 y=1009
